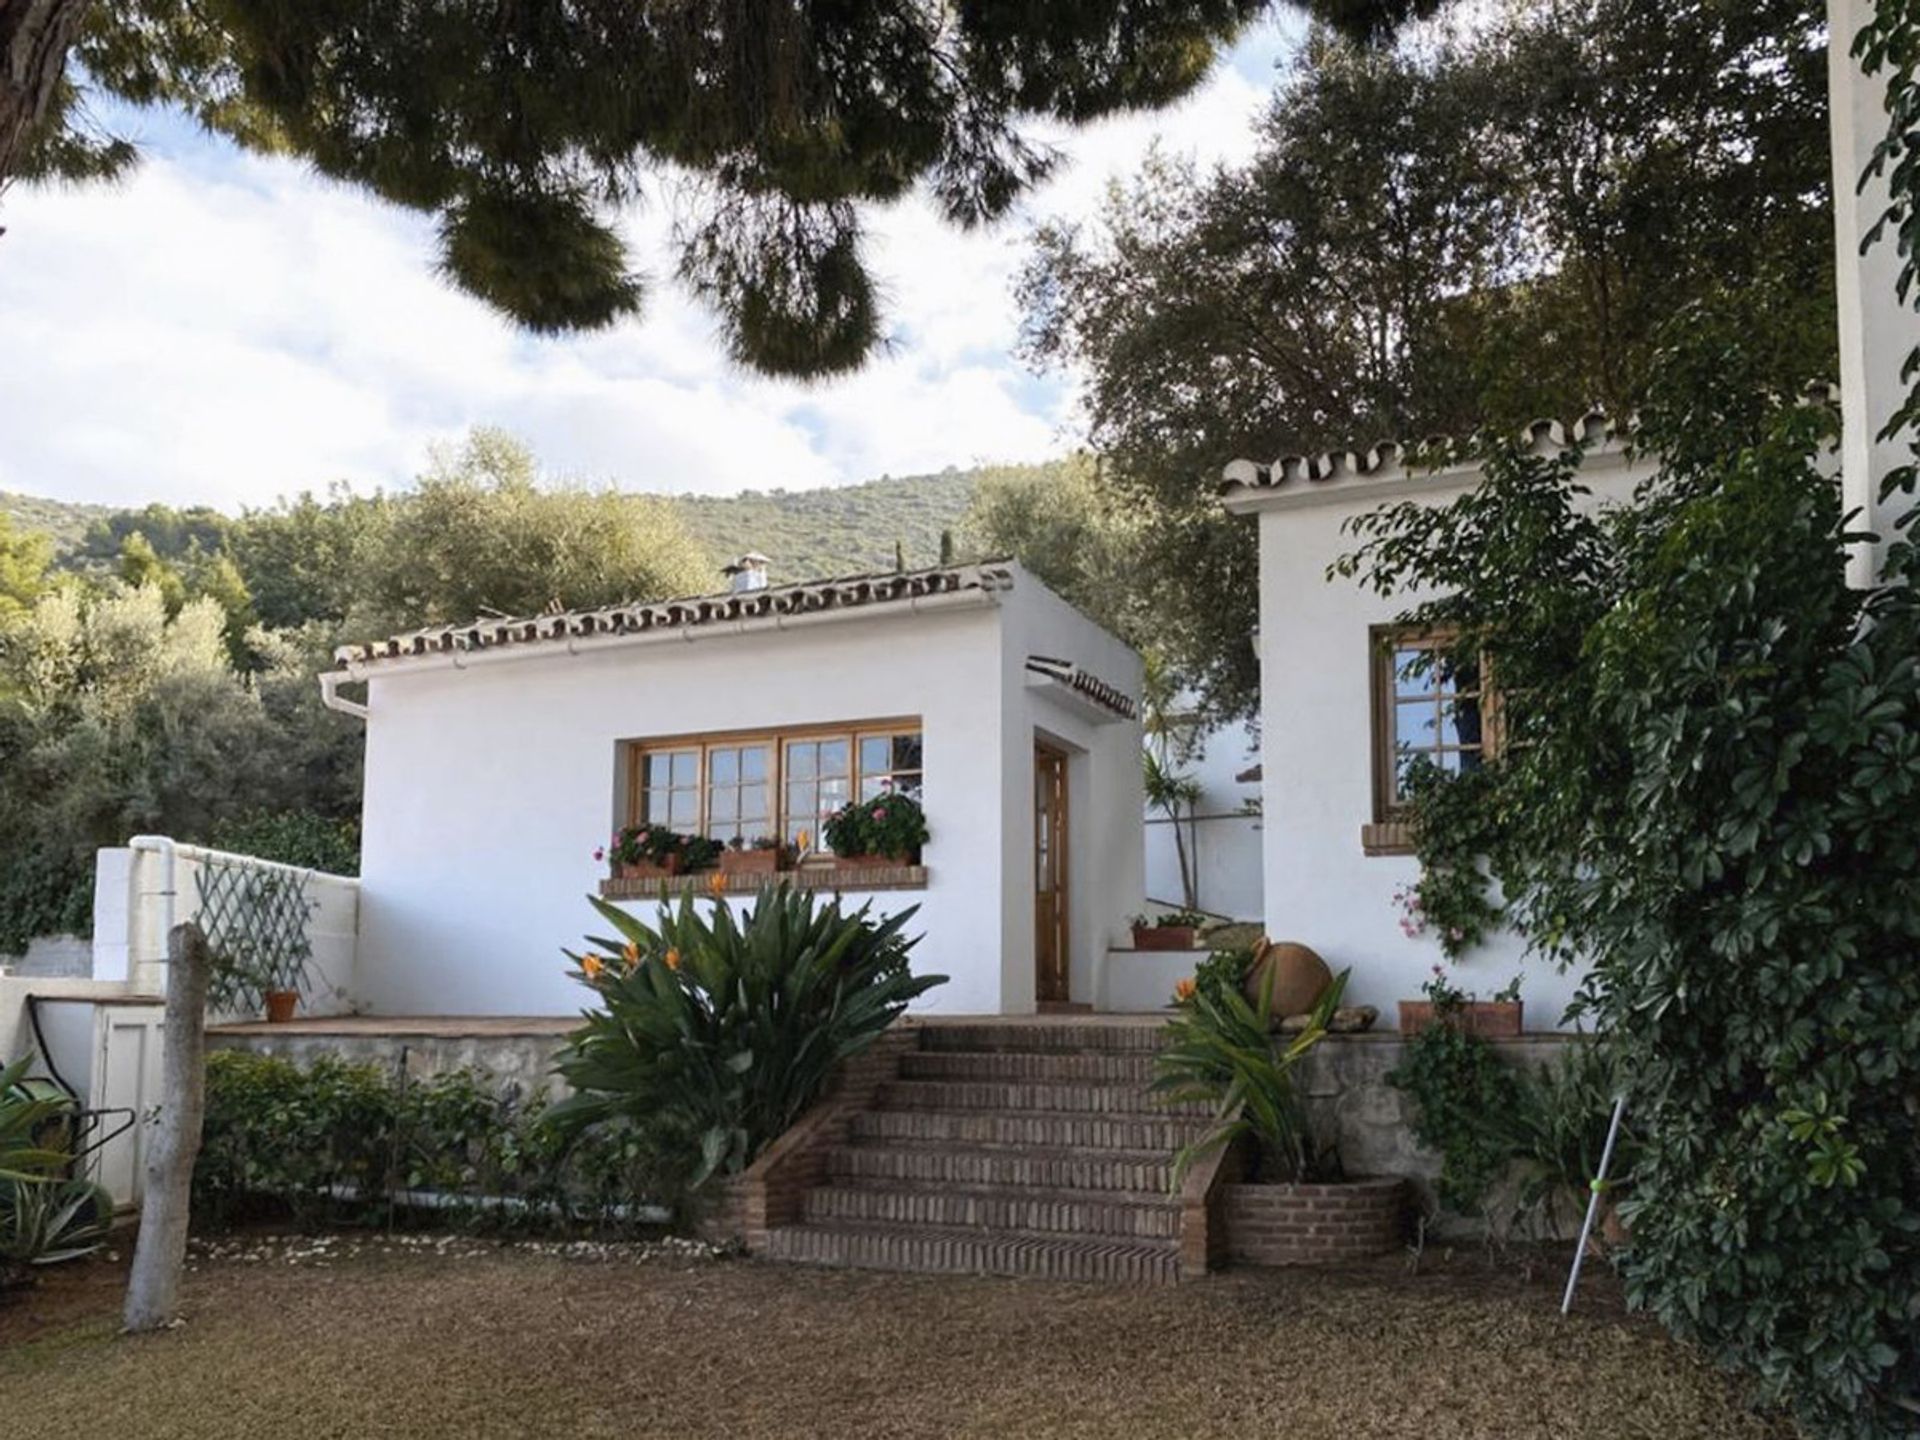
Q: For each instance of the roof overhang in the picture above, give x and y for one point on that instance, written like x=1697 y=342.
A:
x=778 y=608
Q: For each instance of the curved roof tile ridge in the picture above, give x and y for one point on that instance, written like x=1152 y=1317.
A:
x=685 y=611
x=1595 y=426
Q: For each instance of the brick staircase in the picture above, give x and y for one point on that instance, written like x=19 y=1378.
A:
x=1005 y=1149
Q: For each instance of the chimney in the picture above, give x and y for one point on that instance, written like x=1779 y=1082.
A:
x=749 y=572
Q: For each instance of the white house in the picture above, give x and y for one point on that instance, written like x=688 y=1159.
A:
x=1337 y=717
x=501 y=753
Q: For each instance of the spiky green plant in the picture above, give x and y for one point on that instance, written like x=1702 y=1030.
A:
x=1224 y=1053
x=25 y=1116
x=723 y=1029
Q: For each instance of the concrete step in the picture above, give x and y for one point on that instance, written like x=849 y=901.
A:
x=1031 y=1037
x=930 y=1250
x=946 y=1162
x=1065 y=1096
x=1034 y=1127
x=1123 y=1215
x=1097 y=1066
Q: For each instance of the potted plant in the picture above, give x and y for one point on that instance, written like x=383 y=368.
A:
x=762 y=855
x=889 y=829
x=1175 y=930
x=1499 y=1018
x=1286 y=1199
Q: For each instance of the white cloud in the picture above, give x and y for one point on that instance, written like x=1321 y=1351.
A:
x=225 y=328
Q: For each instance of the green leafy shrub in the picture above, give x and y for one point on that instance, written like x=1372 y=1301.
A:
x=335 y=1142
x=1221 y=1051
x=1713 y=798
x=293 y=837
x=714 y=1032
x=1554 y=1132
x=1221 y=972
x=892 y=824
x=1458 y=1086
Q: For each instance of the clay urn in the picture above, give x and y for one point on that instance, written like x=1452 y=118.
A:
x=1300 y=978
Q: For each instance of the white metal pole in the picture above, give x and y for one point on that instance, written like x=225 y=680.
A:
x=1595 y=1189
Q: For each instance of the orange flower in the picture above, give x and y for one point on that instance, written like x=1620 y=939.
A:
x=717 y=884
x=802 y=840
x=631 y=955
x=591 y=966
x=1183 y=990
x=672 y=959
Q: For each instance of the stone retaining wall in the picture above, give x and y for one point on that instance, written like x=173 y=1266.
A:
x=523 y=1060
x=1315 y=1224
x=1344 y=1081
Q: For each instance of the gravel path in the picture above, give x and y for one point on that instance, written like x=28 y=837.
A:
x=418 y=1336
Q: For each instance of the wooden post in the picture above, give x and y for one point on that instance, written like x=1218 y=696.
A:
x=160 y=1255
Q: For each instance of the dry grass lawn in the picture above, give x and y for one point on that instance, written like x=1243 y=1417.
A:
x=361 y=1338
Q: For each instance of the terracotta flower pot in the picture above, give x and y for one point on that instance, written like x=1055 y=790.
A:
x=1298 y=975
x=647 y=870
x=1489 y=1019
x=1164 y=937
x=281 y=1004
x=869 y=862
x=750 y=862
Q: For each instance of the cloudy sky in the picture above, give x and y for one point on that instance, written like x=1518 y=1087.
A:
x=225 y=329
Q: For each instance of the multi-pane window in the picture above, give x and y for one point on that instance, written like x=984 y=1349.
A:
x=819 y=781
x=770 y=783
x=1430 y=707
x=670 y=791
x=740 y=791
x=890 y=763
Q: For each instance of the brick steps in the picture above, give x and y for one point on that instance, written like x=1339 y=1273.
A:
x=1147 y=1172
x=1031 y=1039
x=932 y=1249
x=1134 y=1068
x=1121 y=1214
x=1031 y=1127
x=1005 y=1149
x=1064 y=1097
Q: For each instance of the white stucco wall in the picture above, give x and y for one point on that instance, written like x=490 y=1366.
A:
x=1227 y=839
x=1105 y=798
x=1877 y=331
x=488 y=787
x=1322 y=889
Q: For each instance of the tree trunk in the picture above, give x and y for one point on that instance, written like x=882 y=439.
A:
x=160 y=1254
x=35 y=36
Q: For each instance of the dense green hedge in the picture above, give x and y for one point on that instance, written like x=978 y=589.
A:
x=331 y=1142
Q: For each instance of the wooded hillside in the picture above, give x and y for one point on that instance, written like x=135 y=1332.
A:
x=808 y=533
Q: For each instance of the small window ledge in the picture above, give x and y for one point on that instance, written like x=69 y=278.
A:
x=807 y=877
x=1387 y=837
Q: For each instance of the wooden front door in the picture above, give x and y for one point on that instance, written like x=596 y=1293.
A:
x=1050 y=873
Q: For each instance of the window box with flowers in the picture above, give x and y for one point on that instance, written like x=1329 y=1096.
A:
x=653 y=852
x=888 y=829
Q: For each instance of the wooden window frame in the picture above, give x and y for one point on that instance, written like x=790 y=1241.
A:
x=1389 y=832
x=776 y=738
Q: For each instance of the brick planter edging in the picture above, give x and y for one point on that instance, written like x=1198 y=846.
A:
x=1315 y=1224
x=772 y=1190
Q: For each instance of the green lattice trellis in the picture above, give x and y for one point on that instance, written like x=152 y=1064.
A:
x=255 y=921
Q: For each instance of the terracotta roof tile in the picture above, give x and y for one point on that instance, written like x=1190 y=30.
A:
x=688 y=612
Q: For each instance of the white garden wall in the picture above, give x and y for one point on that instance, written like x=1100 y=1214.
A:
x=142 y=890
